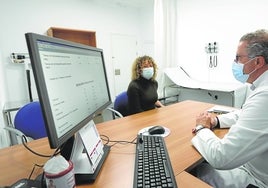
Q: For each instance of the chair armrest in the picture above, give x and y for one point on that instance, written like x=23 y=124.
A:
x=17 y=132
x=115 y=111
x=14 y=131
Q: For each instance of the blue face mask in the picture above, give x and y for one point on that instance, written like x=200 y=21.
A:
x=238 y=72
x=147 y=73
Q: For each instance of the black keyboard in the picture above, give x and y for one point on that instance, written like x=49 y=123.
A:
x=152 y=164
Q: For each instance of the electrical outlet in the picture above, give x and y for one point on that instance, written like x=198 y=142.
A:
x=117 y=72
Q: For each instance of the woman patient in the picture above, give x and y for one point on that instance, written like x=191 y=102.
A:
x=142 y=90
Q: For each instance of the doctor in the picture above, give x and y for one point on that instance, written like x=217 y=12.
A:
x=240 y=158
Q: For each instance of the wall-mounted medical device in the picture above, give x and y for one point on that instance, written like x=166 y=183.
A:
x=212 y=49
x=18 y=57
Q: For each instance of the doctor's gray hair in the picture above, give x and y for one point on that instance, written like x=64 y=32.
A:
x=258 y=49
x=260 y=35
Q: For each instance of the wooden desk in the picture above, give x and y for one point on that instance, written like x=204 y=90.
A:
x=117 y=171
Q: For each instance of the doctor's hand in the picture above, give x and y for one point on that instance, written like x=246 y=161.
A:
x=206 y=120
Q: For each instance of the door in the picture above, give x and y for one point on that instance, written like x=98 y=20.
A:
x=124 y=52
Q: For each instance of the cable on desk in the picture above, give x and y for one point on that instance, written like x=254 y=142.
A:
x=107 y=140
x=34 y=167
x=24 y=141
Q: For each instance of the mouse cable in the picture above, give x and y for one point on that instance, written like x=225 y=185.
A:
x=34 y=167
x=107 y=140
x=24 y=142
x=40 y=177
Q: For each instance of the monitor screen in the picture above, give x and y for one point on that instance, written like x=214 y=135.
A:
x=71 y=83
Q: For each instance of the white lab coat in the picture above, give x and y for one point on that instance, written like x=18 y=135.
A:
x=245 y=147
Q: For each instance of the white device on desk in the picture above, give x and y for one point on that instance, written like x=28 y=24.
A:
x=88 y=140
x=217 y=109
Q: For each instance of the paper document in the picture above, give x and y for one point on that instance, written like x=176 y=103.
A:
x=217 y=109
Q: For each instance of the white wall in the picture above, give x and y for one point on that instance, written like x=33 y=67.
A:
x=223 y=21
x=21 y=16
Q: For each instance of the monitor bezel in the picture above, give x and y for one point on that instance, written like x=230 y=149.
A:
x=54 y=141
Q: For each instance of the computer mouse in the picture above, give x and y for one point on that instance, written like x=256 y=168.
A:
x=156 y=130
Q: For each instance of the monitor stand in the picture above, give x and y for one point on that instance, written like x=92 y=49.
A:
x=88 y=154
x=90 y=178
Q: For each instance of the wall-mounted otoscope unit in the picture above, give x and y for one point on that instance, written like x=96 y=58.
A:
x=212 y=50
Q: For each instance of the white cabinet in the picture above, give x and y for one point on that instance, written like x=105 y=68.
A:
x=234 y=97
x=229 y=94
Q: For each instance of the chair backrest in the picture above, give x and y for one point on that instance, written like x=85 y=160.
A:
x=29 y=120
x=121 y=103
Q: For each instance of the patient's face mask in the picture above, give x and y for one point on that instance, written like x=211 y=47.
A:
x=238 y=73
x=147 y=73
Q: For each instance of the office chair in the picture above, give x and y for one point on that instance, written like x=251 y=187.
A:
x=29 y=121
x=120 y=105
x=251 y=186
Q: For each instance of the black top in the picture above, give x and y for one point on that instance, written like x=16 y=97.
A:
x=142 y=95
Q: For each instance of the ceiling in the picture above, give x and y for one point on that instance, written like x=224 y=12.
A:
x=131 y=3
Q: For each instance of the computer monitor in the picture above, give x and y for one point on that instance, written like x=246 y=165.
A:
x=72 y=88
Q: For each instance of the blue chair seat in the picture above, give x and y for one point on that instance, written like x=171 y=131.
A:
x=121 y=103
x=29 y=120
